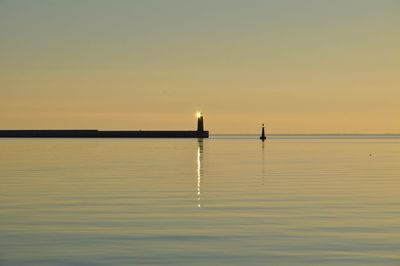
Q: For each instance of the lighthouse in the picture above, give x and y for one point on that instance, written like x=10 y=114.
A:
x=200 y=122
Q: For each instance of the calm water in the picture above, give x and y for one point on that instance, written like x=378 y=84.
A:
x=222 y=201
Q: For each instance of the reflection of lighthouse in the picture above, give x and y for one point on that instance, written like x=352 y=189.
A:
x=199 y=169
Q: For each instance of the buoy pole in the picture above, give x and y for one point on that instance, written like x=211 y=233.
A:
x=263 y=137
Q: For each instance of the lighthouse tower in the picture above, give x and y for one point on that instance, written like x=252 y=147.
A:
x=200 y=123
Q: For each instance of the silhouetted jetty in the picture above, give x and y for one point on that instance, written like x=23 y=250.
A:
x=92 y=133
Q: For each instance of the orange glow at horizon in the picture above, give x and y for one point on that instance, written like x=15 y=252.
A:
x=300 y=68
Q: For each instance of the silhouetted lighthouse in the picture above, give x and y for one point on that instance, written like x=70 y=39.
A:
x=200 y=123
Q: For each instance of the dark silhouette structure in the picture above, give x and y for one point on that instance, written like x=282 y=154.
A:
x=200 y=122
x=92 y=133
x=263 y=137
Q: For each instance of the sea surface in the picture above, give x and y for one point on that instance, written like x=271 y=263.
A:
x=227 y=200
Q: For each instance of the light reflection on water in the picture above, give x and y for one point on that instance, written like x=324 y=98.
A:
x=200 y=150
x=218 y=201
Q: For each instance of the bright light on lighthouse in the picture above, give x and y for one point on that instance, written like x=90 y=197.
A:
x=199 y=114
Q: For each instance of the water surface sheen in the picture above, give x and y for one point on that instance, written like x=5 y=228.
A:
x=221 y=201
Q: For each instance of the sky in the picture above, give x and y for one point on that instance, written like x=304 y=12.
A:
x=299 y=66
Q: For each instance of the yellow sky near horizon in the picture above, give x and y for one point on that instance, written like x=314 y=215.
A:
x=299 y=66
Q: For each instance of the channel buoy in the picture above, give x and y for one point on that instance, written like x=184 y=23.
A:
x=263 y=137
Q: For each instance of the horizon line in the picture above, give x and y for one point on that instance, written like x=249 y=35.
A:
x=309 y=134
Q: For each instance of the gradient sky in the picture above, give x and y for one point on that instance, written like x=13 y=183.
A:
x=300 y=66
